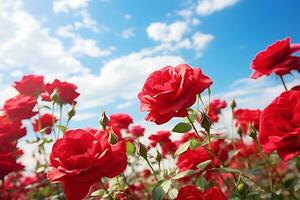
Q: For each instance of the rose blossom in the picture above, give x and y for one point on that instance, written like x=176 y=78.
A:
x=66 y=92
x=10 y=130
x=20 y=107
x=31 y=85
x=82 y=157
x=136 y=130
x=215 y=107
x=119 y=121
x=244 y=117
x=168 y=92
x=45 y=122
x=162 y=138
x=280 y=126
x=277 y=58
x=191 y=192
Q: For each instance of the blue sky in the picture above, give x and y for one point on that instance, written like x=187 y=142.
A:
x=107 y=47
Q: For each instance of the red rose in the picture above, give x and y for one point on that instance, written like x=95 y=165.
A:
x=136 y=130
x=162 y=138
x=66 y=92
x=191 y=158
x=31 y=85
x=10 y=130
x=20 y=107
x=168 y=92
x=280 y=126
x=244 y=117
x=277 y=58
x=45 y=123
x=8 y=159
x=191 y=192
x=215 y=107
x=82 y=157
x=120 y=120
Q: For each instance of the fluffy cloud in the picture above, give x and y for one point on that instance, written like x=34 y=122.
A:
x=127 y=16
x=206 y=7
x=200 y=41
x=120 y=78
x=167 y=33
x=25 y=43
x=87 y=47
x=128 y=33
x=66 y=5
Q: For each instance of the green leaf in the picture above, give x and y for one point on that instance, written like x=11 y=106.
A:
x=203 y=164
x=182 y=127
x=229 y=170
x=194 y=143
x=161 y=189
x=61 y=128
x=130 y=148
x=183 y=174
x=182 y=148
x=98 y=193
x=290 y=182
x=201 y=182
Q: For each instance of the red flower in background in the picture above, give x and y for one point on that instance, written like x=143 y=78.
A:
x=45 y=123
x=119 y=121
x=82 y=157
x=136 y=130
x=8 y=158
x=10 y=130
x=277 y=58
x=66 y=92
x=168 y=92
x=280 y=125
x=215 y=107
x=244 y=117
x=31 y=85
x=191 y=158
x=162 y=138
x=20 y=107
x=191 y=192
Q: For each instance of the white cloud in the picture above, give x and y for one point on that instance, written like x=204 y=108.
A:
x=66 y=5
x=167 y=33
x=206 y=7
x=200 y=41
x=87 y=47
x=127 y=16
x=87 y=22
x=120 y=78
x=128 y=33
x=26 y=44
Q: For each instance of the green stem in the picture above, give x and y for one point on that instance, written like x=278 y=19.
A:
x=152 y=169
x=106 y=191
x=191 y=122
x=283 y=83
x=129 y=188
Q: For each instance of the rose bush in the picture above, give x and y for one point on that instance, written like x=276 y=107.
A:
x=245 y=154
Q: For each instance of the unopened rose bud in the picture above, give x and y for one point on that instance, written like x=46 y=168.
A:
x=242 y=187
x=142 y=150
x=252 y=131
x=232 y=104
x=205 y=122
x=72 y=111
x=113 y=138
x=103 y=120
x=240 y=131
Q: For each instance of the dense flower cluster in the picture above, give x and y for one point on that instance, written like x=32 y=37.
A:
x=248 y=154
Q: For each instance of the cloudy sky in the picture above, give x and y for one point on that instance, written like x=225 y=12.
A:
x=108 y=47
